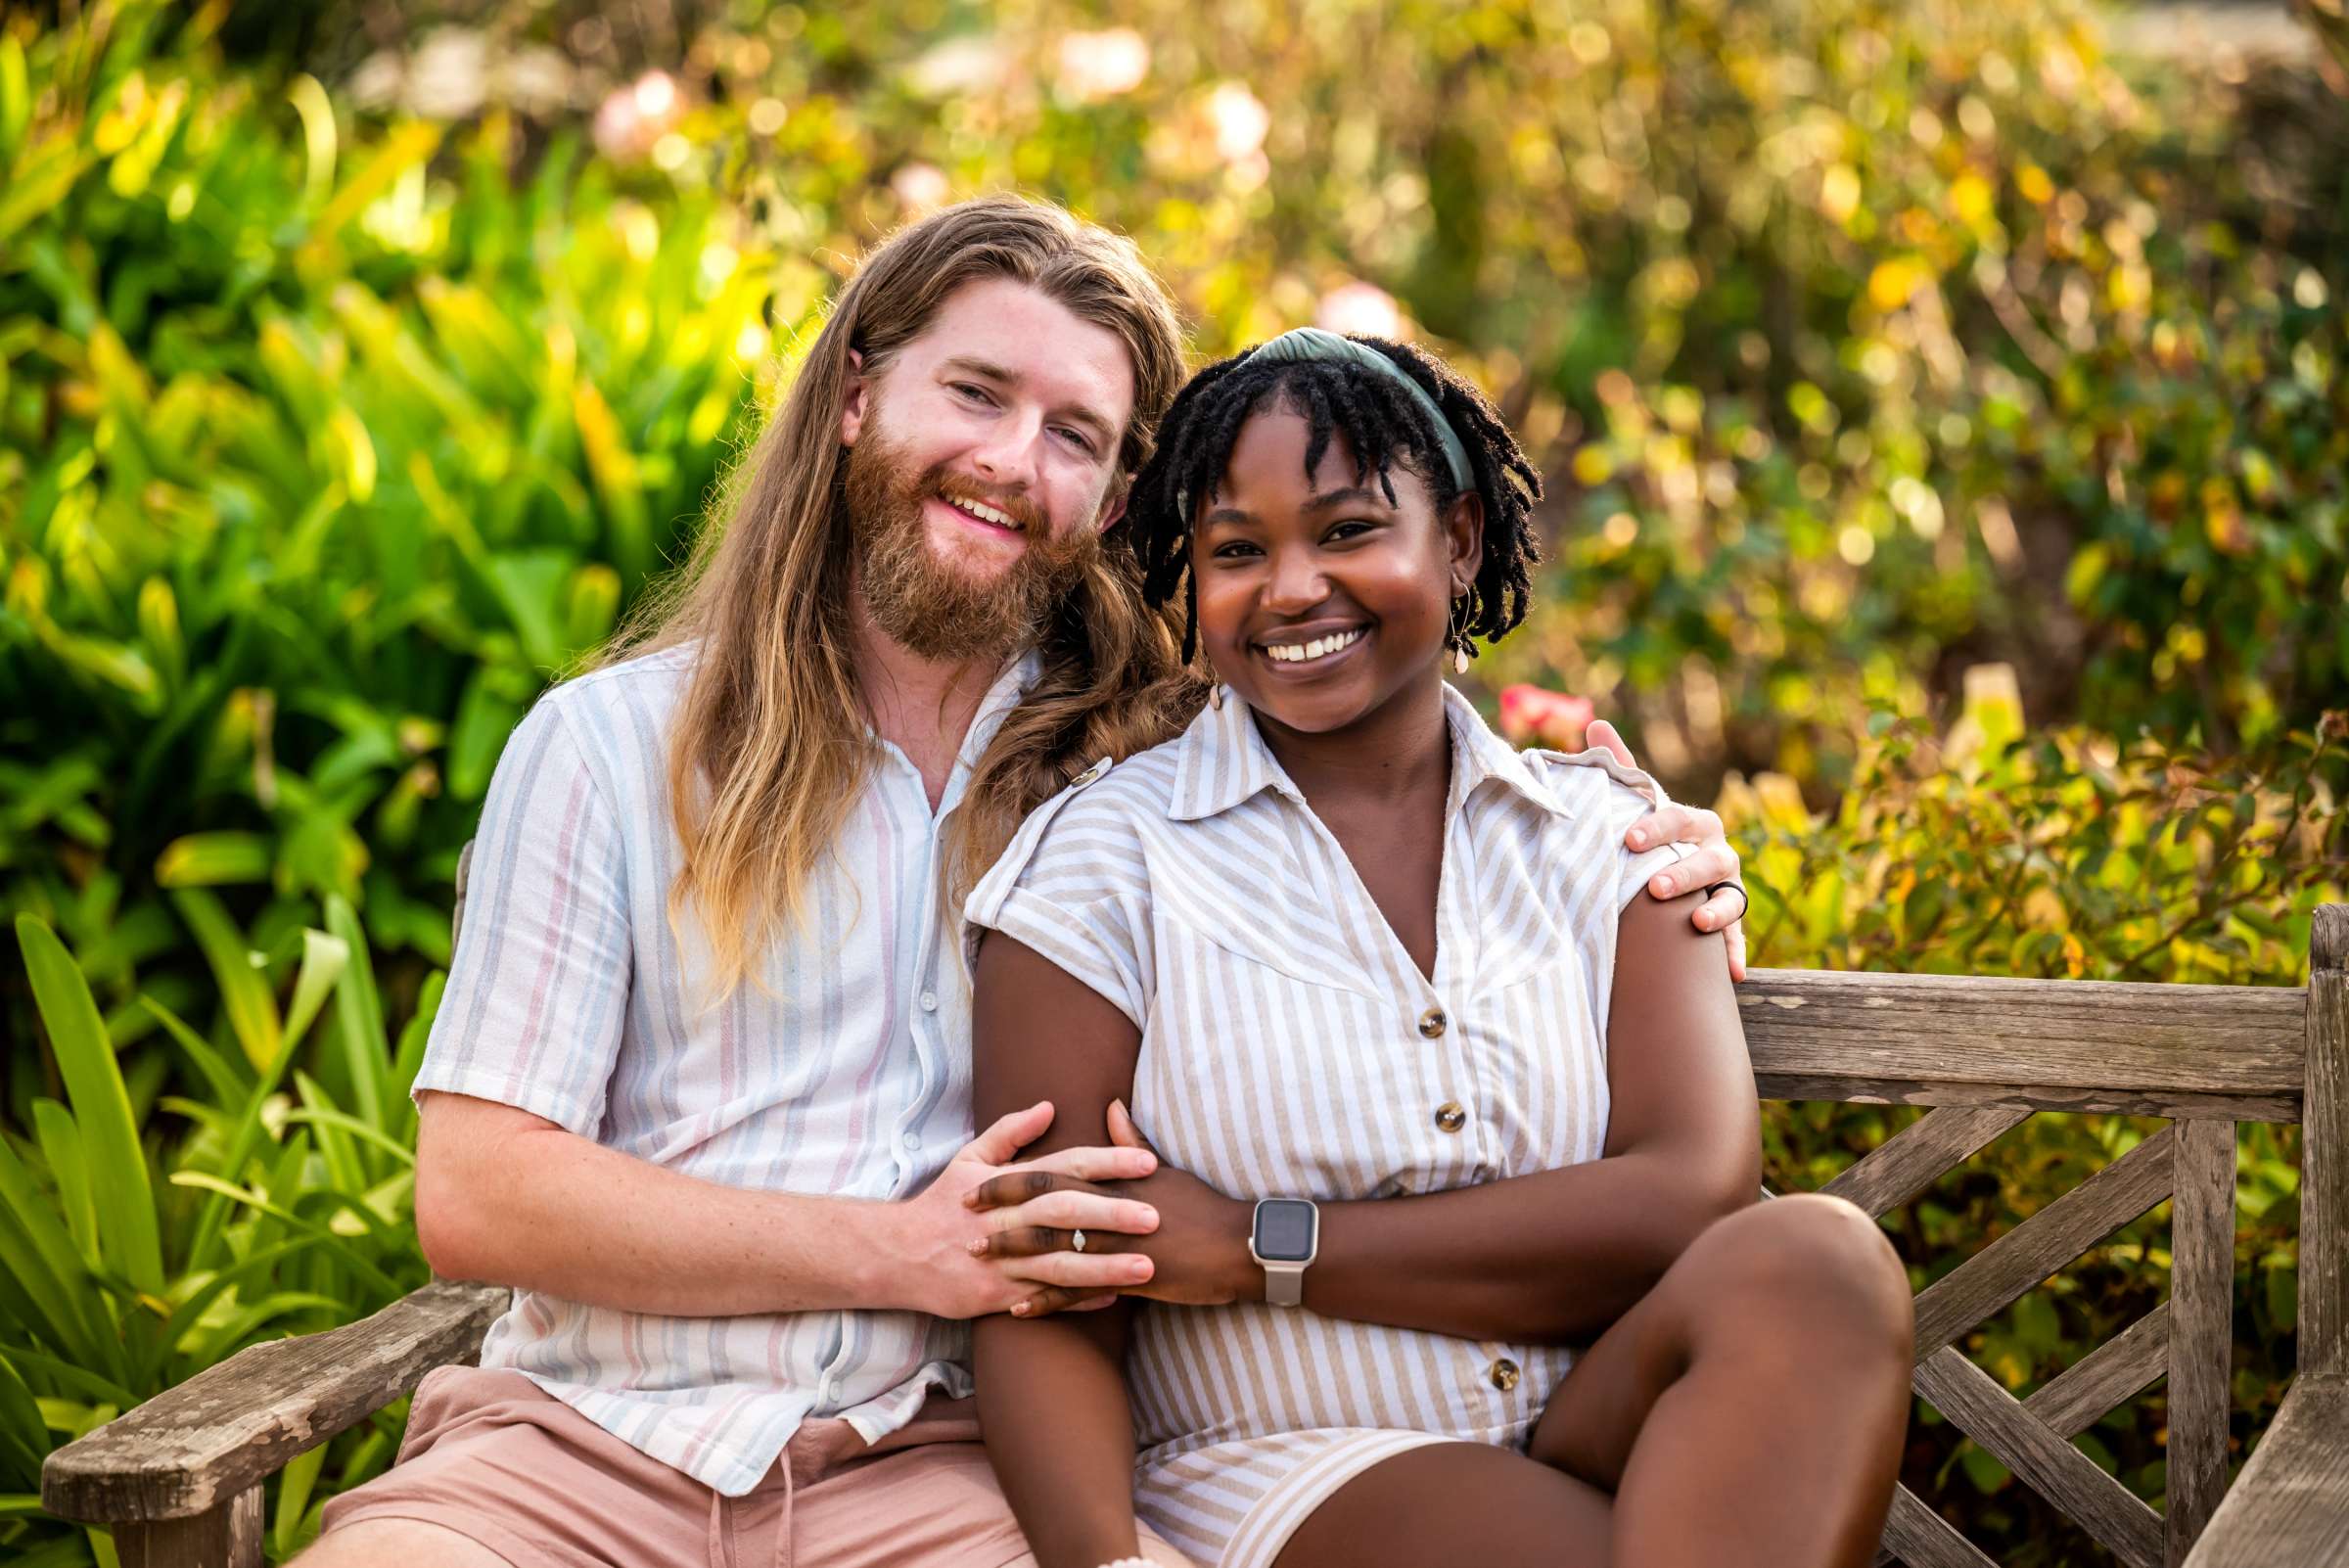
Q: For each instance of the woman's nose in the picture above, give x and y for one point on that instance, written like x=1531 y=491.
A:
x=1298 y=582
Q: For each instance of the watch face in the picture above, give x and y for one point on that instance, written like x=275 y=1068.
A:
x=1284 y=1230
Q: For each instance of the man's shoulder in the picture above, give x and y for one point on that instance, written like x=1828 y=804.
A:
x=651 y=681
x=618 y=715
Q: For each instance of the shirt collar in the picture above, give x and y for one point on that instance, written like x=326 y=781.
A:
x=996 y=707
x=1223 y=760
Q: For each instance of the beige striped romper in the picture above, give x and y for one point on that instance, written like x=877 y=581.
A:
x=1291 y=1048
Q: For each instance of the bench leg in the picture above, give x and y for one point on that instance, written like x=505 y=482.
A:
x=225 y=1536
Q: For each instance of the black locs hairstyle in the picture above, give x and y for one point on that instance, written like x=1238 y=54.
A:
x=1383 y=424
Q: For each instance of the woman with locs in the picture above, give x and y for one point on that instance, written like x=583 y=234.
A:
x=1461 y=1257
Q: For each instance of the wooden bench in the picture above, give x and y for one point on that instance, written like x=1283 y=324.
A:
x=179 y=1478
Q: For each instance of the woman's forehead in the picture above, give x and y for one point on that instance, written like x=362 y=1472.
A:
x=1268 y=462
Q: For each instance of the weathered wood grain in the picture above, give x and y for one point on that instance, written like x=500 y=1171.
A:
x=2202 y=1328
x=1860 y=1089
x=2290 y=1505
x=192 y=1449
x=225 y=1536
x=2325 y=1155
x=2050 y=1465
x=2078 y=1396
x=1993 y=1278
x=2147 y=1039
x=1915 y=1535
x=1914 y=1158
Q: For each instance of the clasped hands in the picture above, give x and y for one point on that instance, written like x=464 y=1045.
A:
x=1150 y=1230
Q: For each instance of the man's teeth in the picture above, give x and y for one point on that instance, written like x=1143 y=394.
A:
x=1298 y=653
x=986 y=514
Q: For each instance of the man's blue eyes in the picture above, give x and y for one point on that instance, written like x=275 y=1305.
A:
x=980 y=394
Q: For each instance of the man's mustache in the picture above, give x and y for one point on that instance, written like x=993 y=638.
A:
x=948 y=487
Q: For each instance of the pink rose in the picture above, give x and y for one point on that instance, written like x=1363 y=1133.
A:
x=1533 y=714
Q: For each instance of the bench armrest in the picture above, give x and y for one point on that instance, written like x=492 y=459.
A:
x=198 y=1445
x=2291 y=1503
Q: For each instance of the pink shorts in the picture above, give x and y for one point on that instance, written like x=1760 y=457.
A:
x=494 y=1457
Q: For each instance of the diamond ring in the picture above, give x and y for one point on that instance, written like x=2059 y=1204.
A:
x=1077 y=1241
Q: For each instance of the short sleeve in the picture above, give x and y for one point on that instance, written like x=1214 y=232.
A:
x=1073 y=884
x=1626 y=796
x=538 y=987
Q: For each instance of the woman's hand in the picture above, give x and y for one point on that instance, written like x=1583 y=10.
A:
x=946 y=1246
x=1198 y=1254
x=1711 y=862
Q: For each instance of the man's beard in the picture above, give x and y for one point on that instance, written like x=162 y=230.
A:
x=937 y=608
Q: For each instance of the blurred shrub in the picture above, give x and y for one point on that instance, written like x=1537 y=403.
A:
x=317 y=458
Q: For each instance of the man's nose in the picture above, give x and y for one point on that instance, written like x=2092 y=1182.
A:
x=1007 y=455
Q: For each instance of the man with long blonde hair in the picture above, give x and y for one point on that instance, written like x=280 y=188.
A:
x=699 y=1087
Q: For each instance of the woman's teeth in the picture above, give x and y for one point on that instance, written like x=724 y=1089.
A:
x=985 y=513
x=1300 y=653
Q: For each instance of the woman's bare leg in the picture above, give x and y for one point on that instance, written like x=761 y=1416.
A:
x=1752 y=1407
x=1455 y=1503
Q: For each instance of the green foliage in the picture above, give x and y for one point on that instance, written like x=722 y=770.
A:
x=150 y=1236
x=318 y=456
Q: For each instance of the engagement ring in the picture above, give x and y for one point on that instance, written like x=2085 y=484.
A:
x=1077 y=1241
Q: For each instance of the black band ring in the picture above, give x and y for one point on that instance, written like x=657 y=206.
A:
x=1744 y=900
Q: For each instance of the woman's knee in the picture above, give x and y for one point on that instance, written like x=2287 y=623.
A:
x=1807 y=1260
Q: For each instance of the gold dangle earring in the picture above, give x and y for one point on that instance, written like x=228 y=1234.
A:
x=1456 y=635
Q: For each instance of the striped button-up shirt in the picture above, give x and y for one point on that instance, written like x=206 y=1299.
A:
x=1291 y=1047
x=848 y=1074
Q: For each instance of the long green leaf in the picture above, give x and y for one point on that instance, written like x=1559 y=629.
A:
x=325 y=1237
x=359 y=1015
x=100 y=1105
x=323 y=961
x=189 y=1312
x=80 y=1379
x=47 y=1285
x=295 y=1485
x=324 y=1116
x=24 y=1435
x=61 y=1146
x=243 y=989
x=227 y=1086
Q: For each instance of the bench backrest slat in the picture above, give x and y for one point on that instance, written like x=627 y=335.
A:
x=2154 y=1050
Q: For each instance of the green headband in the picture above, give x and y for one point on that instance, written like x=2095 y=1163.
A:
x=1312 y=342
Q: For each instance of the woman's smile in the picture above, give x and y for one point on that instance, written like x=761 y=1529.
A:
x=1302 y=653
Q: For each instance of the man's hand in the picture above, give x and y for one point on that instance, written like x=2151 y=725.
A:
x=946 y=1235
x=1198 y=1252
x=1712 y=861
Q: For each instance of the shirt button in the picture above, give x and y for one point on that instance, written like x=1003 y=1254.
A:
x=1432 y=1022
x=929 y=1002
x=1502 y=1375
x=913 y=1140
x=1450 y=1118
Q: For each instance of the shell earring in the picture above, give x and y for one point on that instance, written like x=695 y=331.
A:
x=1457 y=636
x=1215 y=697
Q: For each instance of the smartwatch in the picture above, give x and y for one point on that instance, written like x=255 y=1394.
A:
x=1285 y=1238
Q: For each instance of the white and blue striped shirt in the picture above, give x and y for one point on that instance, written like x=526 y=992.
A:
x=849 y=1074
